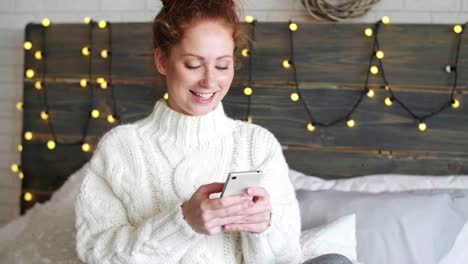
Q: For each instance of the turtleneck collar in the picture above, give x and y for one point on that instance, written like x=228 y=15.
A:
x=186 y=130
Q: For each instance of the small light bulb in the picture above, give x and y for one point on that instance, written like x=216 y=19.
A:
x=293 y=26
x=249 y=19
x=387 y=88
x=379 y=54
x=20 y=148
x=38 y=85
x=28 y=196
x=351 y=123
x=245 y=52
x=104 y=53
x=286 y=64
x=100 y=80
x=422 y=126
x=385 y=20
x=28 y=135
x=45 y=22
x=87 y=20
x=44 y=115
x=458 y=29
x=85 y=147
x=95 y=113
x=21 y=175
x=14 y=167
x=103 y=85
x=374 y=69
x=249 y=119
x=166 y=96
x=85 y=51
x=38 y=55
x=455 y=103
x=370 y=93
x=110 y=119
x=50 y=144
x=310 y=127
x=27 y=45
x=248 y=91
x=83 y=83
x=102 y=24
x=368 y=32
x=388 y=101
x=19 y=106
x=29 y=73
x=294 y=97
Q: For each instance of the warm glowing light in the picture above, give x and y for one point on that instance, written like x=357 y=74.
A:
x=14 y=167
x=102 y=24
x=370 y=93
x=95 y=113
x=50 y=144
x=110 y=119
x=104 y=53
x=46 y=22
x=21 y=175
x=379 y=54
x=85 y=147
x=103 y=85
x=87 y=20
x=245 y=52
x=38 y=85
x=387 y=88
x=293 y=26
x=374 y=69
x=85 y=51
x=38 y=55
x=44 y=115
x=385 y=20
x=166 y=96
x=20 y=148
x=351 y=123
x=29 y=73
x=286 y=64
x=19 y=106
x=28 y=135
x=368 y=32
x=249 y=19
x=83 y=83
x=248 y=91
x=294 y=97
x=28 y=196
x=455 y=103
x=249 y=119
x=422 y=126
x=458 y=29
x=388 y=101
x=100 y=80
x=27 y=45
x=310 y=127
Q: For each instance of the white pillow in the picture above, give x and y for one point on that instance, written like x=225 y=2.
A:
x=337 y=237
x=459 y=253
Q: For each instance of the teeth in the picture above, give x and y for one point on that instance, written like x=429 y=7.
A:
x=204 y=95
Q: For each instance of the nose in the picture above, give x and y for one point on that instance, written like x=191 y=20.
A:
x=209 y=79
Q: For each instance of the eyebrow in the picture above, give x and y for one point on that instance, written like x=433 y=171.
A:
x=201 y=58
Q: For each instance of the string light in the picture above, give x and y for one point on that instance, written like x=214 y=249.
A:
x=422 y=126
x=38 y=85
x=379 y=54
x=44 y=115
x=286 y=64
x=20 y=175
x=249 y=19
x=166 y=96
x=110 y=119
x=28 y=196
x=95 y=113
x=368 y=32
x=351 y=123
x=388 y=101
x=385 y=20
x=102 y=24
x=85 y=51
x=28 y=135
x=38 y=55
x=370 y=93
x=249 y=119
x=449 y=69
x=292 y=26
x=19 y=106
x=85 y=147
x=27 y=45
x=103 y=85
x=87 y=20
x=387 y=88
x=45 y=22
x=30 y=73
x=294 y=97
x=248 y=91
x=83 y=83
x=20 y=148
x=458 y=29
x=245 y=52
x=455 y=103
x=100 y=80
x=104 y=53
x=374 y=69
x=51 y=144
x=310 y=127
x=14 y=167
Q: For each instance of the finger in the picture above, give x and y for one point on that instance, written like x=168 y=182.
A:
x=235 y=209
x=210 y=188
x=253 y=219
x=258 y=191
x=261 y=206
x=218 y=203
x=253 y=228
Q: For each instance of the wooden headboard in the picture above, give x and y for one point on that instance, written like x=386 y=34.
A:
x=331 y=61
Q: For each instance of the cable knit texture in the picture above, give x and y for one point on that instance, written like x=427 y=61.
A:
x=128 y=209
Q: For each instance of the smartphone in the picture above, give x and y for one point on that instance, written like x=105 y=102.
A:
x=237 y=182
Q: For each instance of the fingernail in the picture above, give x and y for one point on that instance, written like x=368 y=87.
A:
x=249 y=191
x=227 y=227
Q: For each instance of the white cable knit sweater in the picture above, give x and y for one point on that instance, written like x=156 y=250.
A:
x=128 y=208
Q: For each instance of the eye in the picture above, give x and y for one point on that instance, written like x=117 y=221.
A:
x=221 y=68
x=192 y=67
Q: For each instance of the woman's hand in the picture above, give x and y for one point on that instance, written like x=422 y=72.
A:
x=258 y=217
x=207 y=216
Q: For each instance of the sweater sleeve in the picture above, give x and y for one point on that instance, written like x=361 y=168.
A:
x=280 y=242
x=104 y=233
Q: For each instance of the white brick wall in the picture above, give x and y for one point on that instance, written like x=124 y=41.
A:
x=14 y=14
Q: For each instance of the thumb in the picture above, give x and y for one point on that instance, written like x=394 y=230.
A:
x=214 y=187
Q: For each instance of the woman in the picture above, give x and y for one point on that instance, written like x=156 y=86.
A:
x=148 y=193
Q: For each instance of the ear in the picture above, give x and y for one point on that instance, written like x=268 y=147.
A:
x=160 y=61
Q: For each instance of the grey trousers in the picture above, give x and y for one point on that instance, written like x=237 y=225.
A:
x=329 y=259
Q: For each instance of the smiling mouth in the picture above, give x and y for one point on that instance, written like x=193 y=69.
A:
x=203 y=95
